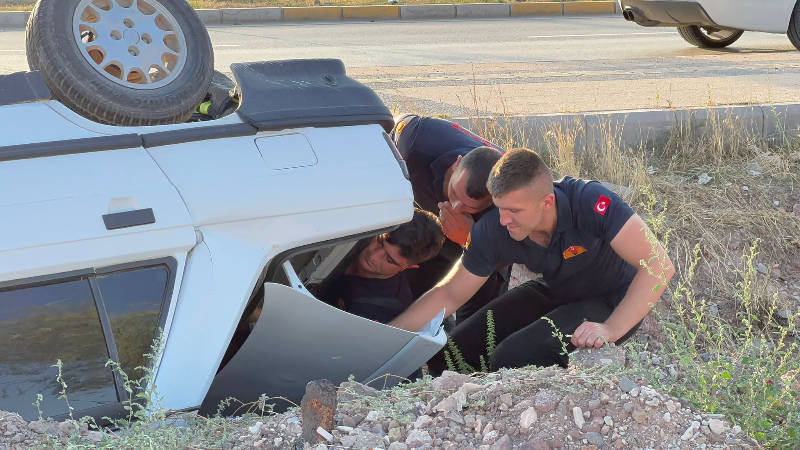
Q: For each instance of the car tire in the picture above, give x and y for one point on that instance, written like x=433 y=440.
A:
x=704 y=37
x=794 y=27
x=82 y=48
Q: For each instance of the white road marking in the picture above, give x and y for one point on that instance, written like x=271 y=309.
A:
x=12 y=51
x=227 y=45
x=600 y=35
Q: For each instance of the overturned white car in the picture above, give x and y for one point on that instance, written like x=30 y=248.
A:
x=110 y=234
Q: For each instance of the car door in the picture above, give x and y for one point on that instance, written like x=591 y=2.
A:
x=299 y=338
x=91 y=255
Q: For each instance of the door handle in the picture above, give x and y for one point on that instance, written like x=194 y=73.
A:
x=127 y=219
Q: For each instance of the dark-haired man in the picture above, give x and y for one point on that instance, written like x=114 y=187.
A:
x=448 y=167
x=585 y=240
x=374 y=285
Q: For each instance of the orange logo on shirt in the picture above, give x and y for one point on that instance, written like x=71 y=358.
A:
x=575 y=250
x=400 y=127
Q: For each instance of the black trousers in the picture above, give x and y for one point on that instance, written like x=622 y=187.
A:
x=523 y=337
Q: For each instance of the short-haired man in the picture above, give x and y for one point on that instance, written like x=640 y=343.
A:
x=375 y=285
x=585 y=241
x=448 y=166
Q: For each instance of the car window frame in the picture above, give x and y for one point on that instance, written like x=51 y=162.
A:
x=111 y=410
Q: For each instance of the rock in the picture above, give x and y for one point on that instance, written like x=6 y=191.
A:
x=737 y=429
x=667 y=417
x=545 y=401
x=277 y=442
x=639 y=416
x=398 y=446
x=344 y=429
x=577 y=414
x=594 y=404
x=423 y=421
x=626 y=384
x=449 y=381
x=634 y=392
x=255 y=430
x=690 y=431
x=506 y=400
x=627 y=406
x=394 y=424
x=595 y=438
x=37 y=427
x=796 y=210
x=373 y=416
x=604 y=398
x=704 y=178
x=622 y=191
x=490 y=437
x=528 y=418
x=537 y=444
x=504 y=443
x=350 y=390
x=716 y=426
x=395 y=434
x=761 y=268
x=608 y=421
x=417 y=438
x=363 y=441
x=349 y=422
x=318 y=407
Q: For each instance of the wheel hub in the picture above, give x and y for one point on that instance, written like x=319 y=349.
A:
x=131 y=36
x=134 y=43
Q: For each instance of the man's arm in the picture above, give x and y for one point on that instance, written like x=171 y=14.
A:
x=452 y=292
x=631 y=244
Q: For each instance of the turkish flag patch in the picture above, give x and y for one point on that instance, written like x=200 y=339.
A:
x=602 y=205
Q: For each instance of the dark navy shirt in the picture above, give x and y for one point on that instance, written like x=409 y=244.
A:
x=579 y=263
x=376 y=299
x=430 y=146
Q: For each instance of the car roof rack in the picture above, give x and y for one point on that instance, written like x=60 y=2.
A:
x=298 y=93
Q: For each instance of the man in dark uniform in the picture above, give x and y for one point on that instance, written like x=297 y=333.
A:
x=585 y=241
x=448 y=167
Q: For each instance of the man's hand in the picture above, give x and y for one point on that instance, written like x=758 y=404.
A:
x=456 y=226
x=592 y=335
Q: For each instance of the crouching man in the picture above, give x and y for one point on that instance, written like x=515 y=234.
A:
x=585 y=240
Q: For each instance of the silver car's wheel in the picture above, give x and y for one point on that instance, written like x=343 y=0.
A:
x=122 y=62
x=708 y=37
x=135 y=43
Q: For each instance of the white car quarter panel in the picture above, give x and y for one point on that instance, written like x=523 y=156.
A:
x=30 y=123
x=230 y=181
x=754 y=15
x=54 y=207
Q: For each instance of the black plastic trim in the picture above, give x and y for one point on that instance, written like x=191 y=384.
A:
x=278 y=95
x=23 y=87
x=660 y=13
x=69 y=147
x=397 y=156
x=128 y=219
x=111 y=343
x=46 y=279
x=163 y=138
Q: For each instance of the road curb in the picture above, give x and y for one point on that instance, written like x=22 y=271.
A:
x=14 y=19
x=643 y=127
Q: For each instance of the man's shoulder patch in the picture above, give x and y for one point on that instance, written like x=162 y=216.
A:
x=602 y=205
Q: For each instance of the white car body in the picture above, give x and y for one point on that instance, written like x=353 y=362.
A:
x=226 y=209
x=771 y=16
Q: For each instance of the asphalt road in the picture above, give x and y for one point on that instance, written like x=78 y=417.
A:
x=517 y=66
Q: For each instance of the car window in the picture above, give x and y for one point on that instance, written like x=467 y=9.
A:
x=40 y=325
x=133 y=301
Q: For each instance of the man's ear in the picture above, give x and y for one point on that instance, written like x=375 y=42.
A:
x=415 y=266
x=549 y=201
x=455 y=164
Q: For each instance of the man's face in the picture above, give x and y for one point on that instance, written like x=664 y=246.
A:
x=381 y=259
x=457 y=194
x=521 y=211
